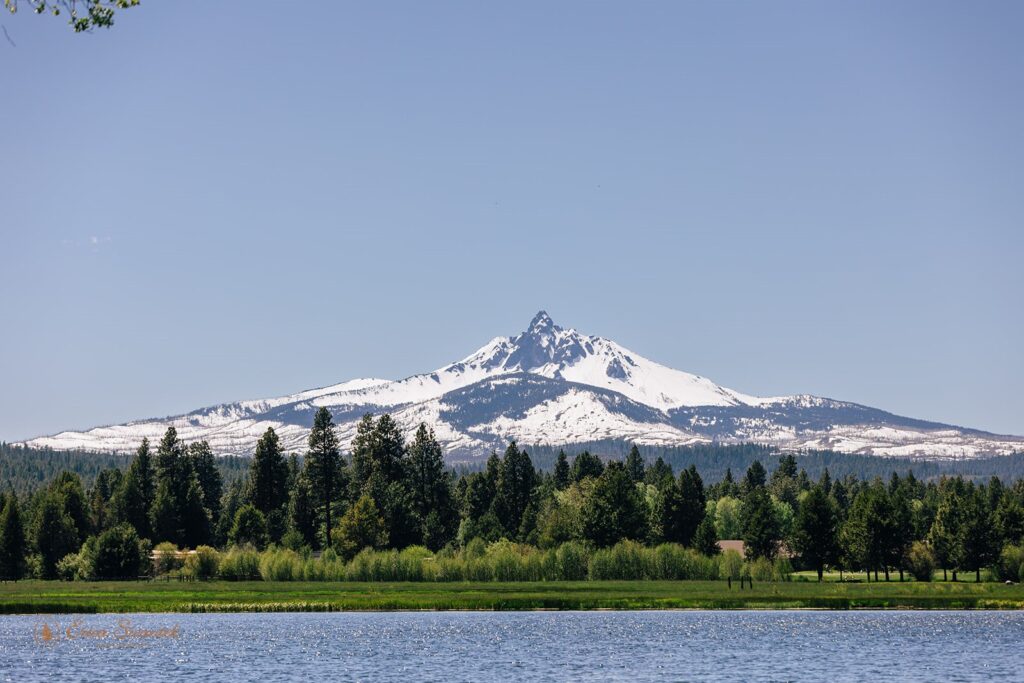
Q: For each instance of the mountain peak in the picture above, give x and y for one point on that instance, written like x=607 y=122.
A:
x=542 y=323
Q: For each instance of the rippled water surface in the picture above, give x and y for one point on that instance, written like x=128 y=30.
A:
x=524 y=646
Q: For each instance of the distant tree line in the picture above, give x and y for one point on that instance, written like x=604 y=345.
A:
x=388 y=493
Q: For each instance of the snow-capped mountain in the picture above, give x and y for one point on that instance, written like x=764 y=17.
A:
x=551 y=385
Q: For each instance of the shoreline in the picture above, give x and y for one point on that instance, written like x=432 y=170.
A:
x=56 y=597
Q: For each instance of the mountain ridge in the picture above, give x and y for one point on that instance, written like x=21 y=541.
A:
x=556 y=386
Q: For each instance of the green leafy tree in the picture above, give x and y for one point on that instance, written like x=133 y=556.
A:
x=816 y=536
x=119 y=554
x=250 y=527
x=615 y=509
x=728 y=523
x=360 y=527
x=13 y=546
x=83 y=15
x=323 y=464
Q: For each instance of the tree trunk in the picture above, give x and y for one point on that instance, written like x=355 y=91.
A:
x=821 y=570
x=876 y=574
x=885 y=570
x=954 y=576
x=945 y=577
x=901 y=574
x=977 y=575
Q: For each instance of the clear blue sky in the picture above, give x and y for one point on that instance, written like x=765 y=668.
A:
x=225 y=200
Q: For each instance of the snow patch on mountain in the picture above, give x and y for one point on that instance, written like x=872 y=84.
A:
x=557 y=386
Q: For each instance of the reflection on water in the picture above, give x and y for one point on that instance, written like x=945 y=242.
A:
x=526 y=646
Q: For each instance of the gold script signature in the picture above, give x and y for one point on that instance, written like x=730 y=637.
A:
x=46 y=632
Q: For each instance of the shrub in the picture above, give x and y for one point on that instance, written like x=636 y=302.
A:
x=921 y=561
x=240 y=564
x=476 y=548
x=70 y=568
x=249 y=528
x=166 y=558
x=280 y=564
x=1008 y=566
x=730 y=565
x=625 y=560
x=203 y=564
x=573 y=561
x=293 y=540
x=360 y=527
x=762 y=569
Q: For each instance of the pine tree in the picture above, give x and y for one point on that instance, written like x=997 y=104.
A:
x=586 y=465
x=165 y=517
x=195 y=520
x=302 y=512
x=660 y=473
x=323 y=464
x=760 y=527
x=562 y=473
x=615 y=510
x=360 y=527
x=514 y=489
x=685 y=507
x=431 y=488
x=145 y=476
x=68 y=489
x=204 y=465
x=129 y=504
x=169 y=456
x=13 y=547
x=755 y=477
x=816 y=536
x=976 y=546
x=55 y=534
x=268 y=474
x=635 y=464
x=945 y=533
x=380 y=470
x=705 y=541
x=232 y=500
x=1009 y=519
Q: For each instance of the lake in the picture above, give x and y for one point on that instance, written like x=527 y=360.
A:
x=524 y=646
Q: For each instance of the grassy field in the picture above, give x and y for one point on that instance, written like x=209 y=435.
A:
x=261 y=596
